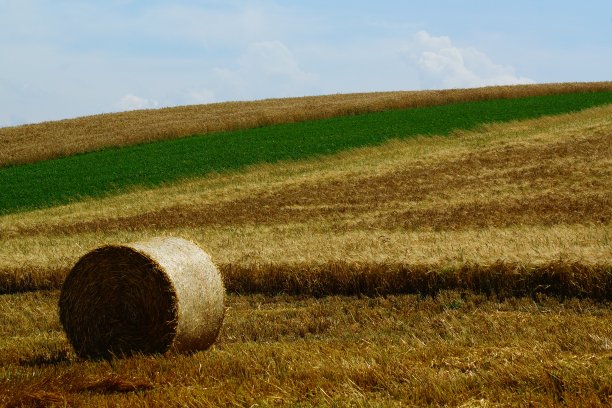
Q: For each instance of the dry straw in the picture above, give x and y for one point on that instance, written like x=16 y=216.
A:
x=144 y=297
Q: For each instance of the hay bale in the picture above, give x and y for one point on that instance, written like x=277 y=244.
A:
x=144 y=297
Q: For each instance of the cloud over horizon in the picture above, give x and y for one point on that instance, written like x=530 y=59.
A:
x=267 y=69
x=442 y=64
x=133 y=102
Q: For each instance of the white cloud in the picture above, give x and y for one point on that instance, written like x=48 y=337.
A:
x=199 y=96
x=272 y=58
x=176 y=28
x=132 y=102
x=95 y=57
x=188 y=95
x=65 y=60
x=7 y=120
x=266 y=69
x=444 y=65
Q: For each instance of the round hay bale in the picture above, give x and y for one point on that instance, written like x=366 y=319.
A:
x=144 y=297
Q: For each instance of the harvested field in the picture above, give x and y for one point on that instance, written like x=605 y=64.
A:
x=472 y=269
x=453 y=349
x=552 y=173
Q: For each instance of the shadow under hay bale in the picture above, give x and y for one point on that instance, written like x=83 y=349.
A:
x=144 y=297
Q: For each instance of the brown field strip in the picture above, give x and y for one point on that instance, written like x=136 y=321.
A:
x=559 y=278
x=29 y=143
x=450 y=349
x=580 y=254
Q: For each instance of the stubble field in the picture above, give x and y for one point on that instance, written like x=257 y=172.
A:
x=468 y=269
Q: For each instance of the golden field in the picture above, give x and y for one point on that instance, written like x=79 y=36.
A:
x=455 y=349
x=469 y=270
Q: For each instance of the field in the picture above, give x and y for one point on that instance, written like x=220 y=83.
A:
x=48 y=140
x=452 y=349
x=471 y=268
x=59 y=181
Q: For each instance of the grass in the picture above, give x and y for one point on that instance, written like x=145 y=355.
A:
x=59 y=181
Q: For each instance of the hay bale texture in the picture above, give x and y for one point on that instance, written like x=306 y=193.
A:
x=145 y=297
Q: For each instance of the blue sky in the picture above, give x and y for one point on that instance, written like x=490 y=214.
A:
x=62 y=59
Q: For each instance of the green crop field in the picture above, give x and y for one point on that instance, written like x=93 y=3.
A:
x=59 y=181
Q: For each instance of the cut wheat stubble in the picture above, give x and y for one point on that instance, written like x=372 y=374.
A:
x=146 y=297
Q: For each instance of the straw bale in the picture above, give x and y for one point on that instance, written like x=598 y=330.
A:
x=145 y=297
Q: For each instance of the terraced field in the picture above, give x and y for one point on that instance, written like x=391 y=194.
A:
x=468 y=268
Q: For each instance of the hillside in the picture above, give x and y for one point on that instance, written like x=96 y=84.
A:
x=530 y=192
x=112 y=171
x=471 y=268
x=43 y=141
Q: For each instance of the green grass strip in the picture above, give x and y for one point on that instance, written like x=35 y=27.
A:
x=111 y=171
